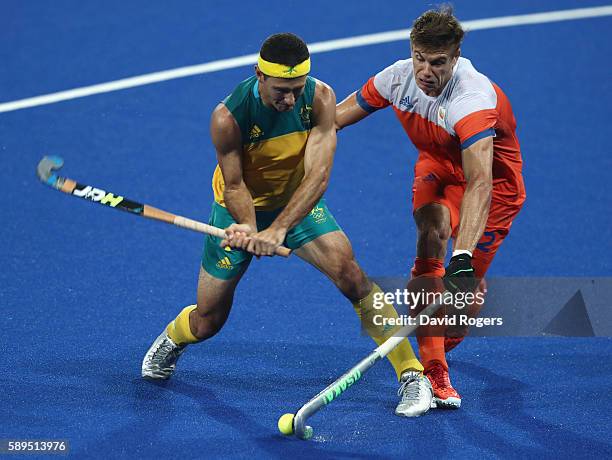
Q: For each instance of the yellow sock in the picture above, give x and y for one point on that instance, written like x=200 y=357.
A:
x=179 y=330
x=402 y=358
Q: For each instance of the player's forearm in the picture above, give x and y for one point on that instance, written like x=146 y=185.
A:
x=239 y=203
x=474 y=213
x=303 y=200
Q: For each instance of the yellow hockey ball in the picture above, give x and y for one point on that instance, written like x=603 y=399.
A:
x=285 y=424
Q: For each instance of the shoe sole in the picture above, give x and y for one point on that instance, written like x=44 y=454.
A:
x=400 y=414
x=155 y=377
x=448 y=403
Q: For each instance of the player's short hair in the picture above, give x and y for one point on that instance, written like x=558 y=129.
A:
x=437 y=29
x=285 y=48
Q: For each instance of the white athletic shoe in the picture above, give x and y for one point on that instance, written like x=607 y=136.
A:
x=160 y=361
x=416 y=395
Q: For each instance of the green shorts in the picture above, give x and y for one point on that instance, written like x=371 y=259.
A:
x=225 y=263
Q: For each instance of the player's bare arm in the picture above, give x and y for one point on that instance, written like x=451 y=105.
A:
x=477 y=162
x=227 y=140
x=318 y=160
x=349 y=112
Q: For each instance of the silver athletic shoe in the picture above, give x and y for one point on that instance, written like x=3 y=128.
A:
x=160 y=361
x=416 y=395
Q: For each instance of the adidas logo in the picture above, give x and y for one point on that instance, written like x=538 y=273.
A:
x=225 y=264
x=405 y=102
x=256 y=132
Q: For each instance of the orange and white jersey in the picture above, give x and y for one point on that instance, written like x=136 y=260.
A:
x=469 y=108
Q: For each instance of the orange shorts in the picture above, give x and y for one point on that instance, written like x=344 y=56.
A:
x=443 y=183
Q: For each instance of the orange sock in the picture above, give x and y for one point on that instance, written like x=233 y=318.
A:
x=431 y=349
x=427 y=267
x=431 y=343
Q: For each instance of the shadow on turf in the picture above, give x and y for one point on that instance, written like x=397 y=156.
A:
x=504 y=398
x=247 y=422
x=148 y=416
x=149 y=412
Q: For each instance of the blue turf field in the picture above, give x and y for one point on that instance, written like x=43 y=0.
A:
x=84 y=290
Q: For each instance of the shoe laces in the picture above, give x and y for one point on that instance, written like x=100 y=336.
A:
x=410 y=388
x=162 y=351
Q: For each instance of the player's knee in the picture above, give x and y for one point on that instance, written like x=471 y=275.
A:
x=351 y=280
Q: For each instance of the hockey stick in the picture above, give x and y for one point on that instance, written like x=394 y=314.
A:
x=49 y=164
x=339 y=386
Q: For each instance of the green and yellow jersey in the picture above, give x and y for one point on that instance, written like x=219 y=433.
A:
x=273 y=143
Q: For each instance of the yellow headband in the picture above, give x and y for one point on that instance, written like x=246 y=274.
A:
x=283 y=71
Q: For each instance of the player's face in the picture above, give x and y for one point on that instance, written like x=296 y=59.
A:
x=281 y=93
x=433 y=69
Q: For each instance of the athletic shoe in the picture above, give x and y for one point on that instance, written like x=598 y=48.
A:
x=445 y=396
x=160 y=361
x=452 y=342
x=416 y=395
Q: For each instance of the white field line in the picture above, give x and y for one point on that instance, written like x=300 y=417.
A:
x=319 y=47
